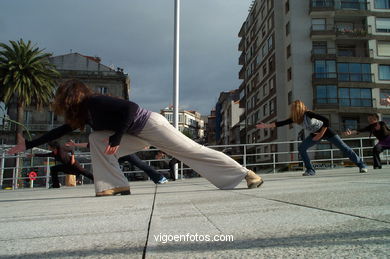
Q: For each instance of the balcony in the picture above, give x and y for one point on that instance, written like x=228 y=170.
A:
x=344 y=54
x=337 y=103
x=241 y=74
x=360 y=31
x=344 y=77
x=333 y=5
x=322 y=30
x=241 y=44
x=241 y=59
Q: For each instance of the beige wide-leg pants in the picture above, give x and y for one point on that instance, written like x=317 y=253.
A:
x=215 y=166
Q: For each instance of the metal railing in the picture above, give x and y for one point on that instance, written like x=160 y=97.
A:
x=342 y=52
x=345 y=77
x=346 y=102
x=338 y=5
x=246 y=154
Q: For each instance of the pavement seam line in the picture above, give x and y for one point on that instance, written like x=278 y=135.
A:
x=204 y=215
x=150 y=223
x=328 y=210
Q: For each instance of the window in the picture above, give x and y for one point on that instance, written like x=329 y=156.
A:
x=386 y=119
x=354 y=4
x=265 y=110
x=354 y=72
x=382 y=4
x=271 y=63
x=355 y=97
x=289 y=74
x=326 y=94
x=383 y=48
x=346 y=50
x=272 y=106
x=103 y=90
x=320 y=47
x=288 y=50
x=287 y=6
x=272 y=83
x=384 y=72
x=384 y=93
x=265 y=70
x=382 y=24
x=325 y=69
x=350 y=123
x=265 y=90
x=270 y=22
x=318 y=24
x=289 y=98
x=288 y=28
x=270 y=42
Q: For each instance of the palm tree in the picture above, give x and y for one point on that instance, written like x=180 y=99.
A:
x=25 y=76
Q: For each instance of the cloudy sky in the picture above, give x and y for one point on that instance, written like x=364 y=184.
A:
x=137 y=35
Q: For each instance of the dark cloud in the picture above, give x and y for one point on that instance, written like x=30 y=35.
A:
x=137 y=35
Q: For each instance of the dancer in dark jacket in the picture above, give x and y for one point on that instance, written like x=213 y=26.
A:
x=381 y=131
x=318 y=126
x=68 y=164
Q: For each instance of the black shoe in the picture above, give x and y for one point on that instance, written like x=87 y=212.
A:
x=54 y=186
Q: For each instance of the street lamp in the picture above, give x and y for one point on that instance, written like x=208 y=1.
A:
x=176 y=72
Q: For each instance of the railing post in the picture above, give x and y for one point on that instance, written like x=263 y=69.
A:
x=331 y=158
x=47 y=172
x=181 y=170
x=13 y=178
x=274 y=162
x=361 y=149
x=16 y=171
x=2 y=170
x=244 y=158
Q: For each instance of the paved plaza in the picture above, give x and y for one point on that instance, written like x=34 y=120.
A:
x=339 y=213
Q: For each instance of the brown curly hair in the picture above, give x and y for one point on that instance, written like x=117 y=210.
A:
x=69 y=102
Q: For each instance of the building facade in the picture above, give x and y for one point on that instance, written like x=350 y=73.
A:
x=190 y=122
x=102 y=79
x=228 y=112
x=332 y=55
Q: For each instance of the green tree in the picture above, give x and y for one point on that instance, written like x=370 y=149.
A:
x=27 y=76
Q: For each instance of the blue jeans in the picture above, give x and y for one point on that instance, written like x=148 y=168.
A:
x=136 y=161
x=335 y=140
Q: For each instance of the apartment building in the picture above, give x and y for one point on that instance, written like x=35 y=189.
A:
x=101 y=78
x=228 y=113
x=332 y=55
x=190 y=122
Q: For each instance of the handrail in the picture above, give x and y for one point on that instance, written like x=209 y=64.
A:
x=246 y=154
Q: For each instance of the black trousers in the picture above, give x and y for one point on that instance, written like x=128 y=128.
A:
x=67 y=169
x=378 y=148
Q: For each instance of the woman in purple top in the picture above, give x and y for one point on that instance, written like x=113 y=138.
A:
x=116 y=121
x=380 y=130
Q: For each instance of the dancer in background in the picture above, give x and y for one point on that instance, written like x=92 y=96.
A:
x=122 y=127
x=381 y=131
x=69 y=164
x=318 y=126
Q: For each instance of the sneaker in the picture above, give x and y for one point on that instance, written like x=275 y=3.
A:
x=363 y=170
x=162 y=180
x=309 y=173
